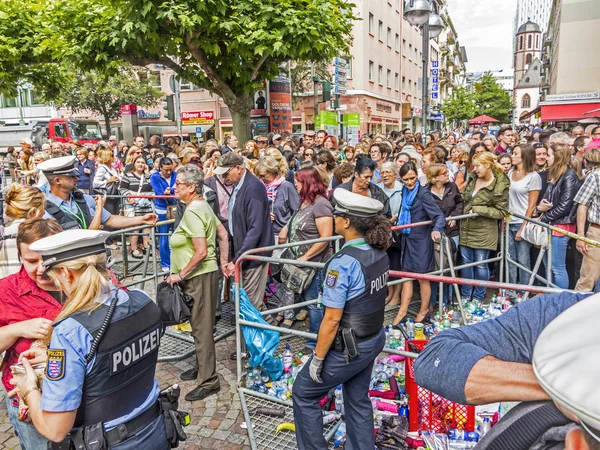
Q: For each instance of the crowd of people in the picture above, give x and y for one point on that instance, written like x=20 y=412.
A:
x=230 y=198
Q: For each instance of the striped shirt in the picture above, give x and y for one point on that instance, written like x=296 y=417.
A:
x=589 y=195
x=9 y=256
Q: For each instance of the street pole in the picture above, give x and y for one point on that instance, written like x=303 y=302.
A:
x=316 y=97
x=177 y=84
x=425 y=89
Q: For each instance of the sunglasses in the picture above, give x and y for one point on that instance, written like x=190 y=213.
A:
x=462 y=161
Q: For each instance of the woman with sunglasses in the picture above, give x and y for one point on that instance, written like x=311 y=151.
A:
x=133 y=152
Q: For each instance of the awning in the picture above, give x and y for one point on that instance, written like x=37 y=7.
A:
x=570 y=112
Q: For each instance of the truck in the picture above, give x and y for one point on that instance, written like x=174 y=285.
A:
x=59 y=129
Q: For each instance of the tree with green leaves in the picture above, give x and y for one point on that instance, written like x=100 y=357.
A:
x=104 y=95
x=460 y=107
x=225 y=46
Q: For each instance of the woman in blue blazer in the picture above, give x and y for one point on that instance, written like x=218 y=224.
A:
x=87 y=170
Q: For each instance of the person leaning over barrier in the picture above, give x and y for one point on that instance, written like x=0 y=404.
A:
x=194 y=265
x=351 y=334
x=491 y=362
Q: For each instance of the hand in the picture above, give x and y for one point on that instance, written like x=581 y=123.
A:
x=35 y=328
x=282 y=236
x=100 y=200
x=272 y=217
x=544 y=206
x=23 y=382
x=149 y=219
x=518 y=235
x=113 y=179
x=394 y=220
x=229 y=269
x=582 y=247
x=86 y=170
x=452 y=223
x=302 y=258
x=174 y=279
x=34 y=356
x=168 y=191
x=131 y=201
x=436 y=236
x=224 y=269
x=315 y=368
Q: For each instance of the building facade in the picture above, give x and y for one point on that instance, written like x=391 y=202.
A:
x=529 y=48
x=537 y=11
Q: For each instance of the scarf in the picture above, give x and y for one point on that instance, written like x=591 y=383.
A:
x=408 y=198
x=272 y=188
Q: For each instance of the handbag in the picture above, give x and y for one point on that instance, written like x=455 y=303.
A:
x=295 y=278
x=171 y=212
x=535 y=234
x=173 y=303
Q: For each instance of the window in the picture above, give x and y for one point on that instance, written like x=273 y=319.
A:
x=380 y=31
x=349 y=66
x=397 y=43
x=389 y=37
x=35 y=99
x=526 y=101
x=529 y=41
x=521 y=43
x=410 y=87
x=380 y=75
x=370 y=70
x=528 y=58
x=371 y=26
x=9 y=102
x=537 y=41
x=389 y=79
x=397 y=5
x=404 y=46
x=396 y=81
x=403 y=84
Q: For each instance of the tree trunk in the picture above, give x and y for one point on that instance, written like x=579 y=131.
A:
x=107 y=125
x=240 y=115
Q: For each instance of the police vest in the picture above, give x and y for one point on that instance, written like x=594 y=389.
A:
x=365 y=313
x=69 y=221
x=122 y=376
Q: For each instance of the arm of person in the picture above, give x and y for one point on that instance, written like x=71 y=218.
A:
x=459 y=204
x=28 y=329
x=498 y=211
x=325 y=227
x=567 y=195
x=447 y=365
x=156 y=185
x=460 y=181
x=223 y=238
x=582 y=212
x=116 y=221
x=328 y=330
x=433 y=211
x=531 y=204
x=100 y=178
x=254 y=218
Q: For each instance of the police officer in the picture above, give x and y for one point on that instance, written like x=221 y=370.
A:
x=99 y=381
x=72 y=208
x=351 y=334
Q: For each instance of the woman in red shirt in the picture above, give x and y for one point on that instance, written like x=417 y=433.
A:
x=27 y=308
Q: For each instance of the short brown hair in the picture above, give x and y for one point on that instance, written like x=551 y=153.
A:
x=344 y=170
x=35 y=229
x=435 y=170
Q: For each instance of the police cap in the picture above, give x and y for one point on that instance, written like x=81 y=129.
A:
x=70 y=245
x=349 y=203
x=64 y=165
x=566 y=364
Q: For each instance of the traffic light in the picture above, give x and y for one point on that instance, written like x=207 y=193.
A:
x=326 y=91
x=169 y=107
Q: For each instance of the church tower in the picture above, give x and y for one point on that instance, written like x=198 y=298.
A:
x=528 y=48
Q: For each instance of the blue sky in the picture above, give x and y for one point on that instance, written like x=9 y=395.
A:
x=485 y=29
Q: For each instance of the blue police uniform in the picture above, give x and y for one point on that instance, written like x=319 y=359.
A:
x=72 y=384
x=355 y=279
x=74 y=208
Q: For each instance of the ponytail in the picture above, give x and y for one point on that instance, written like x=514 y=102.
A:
x=376 y=230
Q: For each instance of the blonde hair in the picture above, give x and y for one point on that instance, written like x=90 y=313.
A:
x=87 y=289
x=486 y=158
x=269 y=165
x=130 y=152
x=187 y=154
x=434 y=171
x=279 y=158
x=104 y=155
x=24 y=202
x=84 y=151
x=44 y=156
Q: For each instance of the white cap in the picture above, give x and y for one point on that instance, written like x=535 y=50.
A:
x=566 y=363
x=69 y=245
x=355 y=205
x=64 y=165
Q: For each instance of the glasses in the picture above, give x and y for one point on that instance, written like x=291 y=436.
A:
x=179 y=183
x=194 y=160
x=462 y=161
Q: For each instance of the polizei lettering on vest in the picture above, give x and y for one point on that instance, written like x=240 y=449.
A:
x=379 y=283
x=135 y=351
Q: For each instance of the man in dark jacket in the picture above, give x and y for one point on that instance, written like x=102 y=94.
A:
x=361 y=184
x=249 y=224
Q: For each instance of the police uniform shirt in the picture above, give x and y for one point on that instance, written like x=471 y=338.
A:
x=64 y=391
x=72 y=206
x=344 y=279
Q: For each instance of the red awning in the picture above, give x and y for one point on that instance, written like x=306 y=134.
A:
x=571 y=112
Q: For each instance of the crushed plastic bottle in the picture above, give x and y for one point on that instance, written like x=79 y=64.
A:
x=339 y=399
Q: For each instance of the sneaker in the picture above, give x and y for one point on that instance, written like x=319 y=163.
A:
x=189 y=375
x=302 y=315
x=201 y=393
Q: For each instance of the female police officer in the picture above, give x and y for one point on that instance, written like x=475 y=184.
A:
x=351 y=334
x=99 y=378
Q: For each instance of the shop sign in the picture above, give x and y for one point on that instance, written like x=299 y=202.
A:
x=198 y=117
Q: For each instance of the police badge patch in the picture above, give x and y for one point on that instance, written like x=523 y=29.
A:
x=55 y=370
x=331 y=278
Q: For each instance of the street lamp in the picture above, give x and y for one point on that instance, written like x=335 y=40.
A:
x=422 y=13
x=483 y=108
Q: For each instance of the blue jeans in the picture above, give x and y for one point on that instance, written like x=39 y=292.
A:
x=29 y=437
x=518 y=251
x=315 y=312
x=478 y=272
x=163 y=242
x=560 y=277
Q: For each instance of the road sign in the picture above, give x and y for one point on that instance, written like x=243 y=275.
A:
x=339 y=62
x=338 y=71
x=434 y=95
x=339 y=90
x=340 y=81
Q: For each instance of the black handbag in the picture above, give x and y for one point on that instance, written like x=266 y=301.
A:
x=173 y=303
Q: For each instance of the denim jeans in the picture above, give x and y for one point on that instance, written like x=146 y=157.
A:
x=315 y=312
x=29 y=437
x=163 y=242
x=519 y=251
x=478 y=272
x=560 y=277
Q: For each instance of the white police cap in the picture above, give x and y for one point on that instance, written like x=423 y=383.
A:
x=355 y=205
x=64 y=165
x=69 y=245
x=566 y=363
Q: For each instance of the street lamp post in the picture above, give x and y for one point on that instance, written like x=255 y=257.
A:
x=483 y=108
x=421 y=13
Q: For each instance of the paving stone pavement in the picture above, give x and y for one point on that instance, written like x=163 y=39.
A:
x=215 y=420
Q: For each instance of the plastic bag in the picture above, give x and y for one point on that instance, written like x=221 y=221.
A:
x=261 y=343
x=173 y=303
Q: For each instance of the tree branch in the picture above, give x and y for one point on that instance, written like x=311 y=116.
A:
x=220 y=86
x=258 y=65
x=165 y=61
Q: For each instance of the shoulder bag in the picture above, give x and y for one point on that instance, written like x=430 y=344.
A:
x=173 y=303
x=535 y=234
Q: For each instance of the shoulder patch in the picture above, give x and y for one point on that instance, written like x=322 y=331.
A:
x=331 y=278
x=55 y=369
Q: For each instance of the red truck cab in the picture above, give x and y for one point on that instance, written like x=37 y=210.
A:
x=66 y=130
